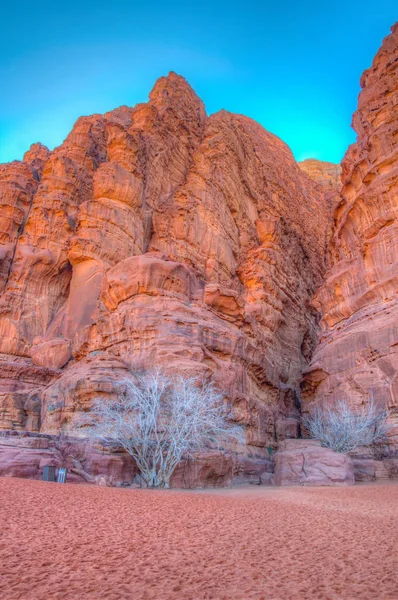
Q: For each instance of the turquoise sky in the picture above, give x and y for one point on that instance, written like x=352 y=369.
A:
x=292 y=66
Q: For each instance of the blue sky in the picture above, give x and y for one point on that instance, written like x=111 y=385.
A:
x=292 y=66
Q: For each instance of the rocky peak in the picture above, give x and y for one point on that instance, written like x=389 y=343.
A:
x=173 y=92
x=159 y=236
x=36 y=157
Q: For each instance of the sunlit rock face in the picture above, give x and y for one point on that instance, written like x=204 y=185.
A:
x=327 y=174
x=158 y=236
x=357 y=355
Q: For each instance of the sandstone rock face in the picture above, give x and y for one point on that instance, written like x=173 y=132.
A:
x=258 y=471
x=357 y=355
x=369 y=469
x=209 y=469
x=17 y=187
x=327 y=174
x=306 y=462
x=36 y=157
x=24 y=454
x=158 y=236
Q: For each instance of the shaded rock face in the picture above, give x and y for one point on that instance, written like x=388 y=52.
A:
x=327 y=174
x=158 y=236
x=369 y=469
x=357 y=354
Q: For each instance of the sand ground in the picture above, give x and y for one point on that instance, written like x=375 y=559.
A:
x=83 y=542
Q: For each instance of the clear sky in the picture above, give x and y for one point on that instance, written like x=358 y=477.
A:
x=294 y=66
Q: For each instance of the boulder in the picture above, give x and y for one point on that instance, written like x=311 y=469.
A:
x=253 y=470
x=306 y=462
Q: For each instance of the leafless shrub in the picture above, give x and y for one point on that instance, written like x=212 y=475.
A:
x=159 y=420
x=343 y=429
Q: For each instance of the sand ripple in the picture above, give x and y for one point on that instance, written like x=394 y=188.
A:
x=67 y=542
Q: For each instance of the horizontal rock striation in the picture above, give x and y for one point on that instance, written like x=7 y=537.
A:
x=306 y=462
x=357 y=355
x=327 y=174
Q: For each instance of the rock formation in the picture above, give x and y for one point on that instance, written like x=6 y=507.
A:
x=357 y=354
x=156 y=235
x=159 y=236
x=327 y=174
x=306 y=462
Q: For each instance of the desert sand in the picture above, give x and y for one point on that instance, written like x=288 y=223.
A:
x=86 y=542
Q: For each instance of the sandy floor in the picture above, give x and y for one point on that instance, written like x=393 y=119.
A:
x=79 y=542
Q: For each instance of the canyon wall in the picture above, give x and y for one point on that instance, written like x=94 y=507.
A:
x=357 y=354
x=158 y=236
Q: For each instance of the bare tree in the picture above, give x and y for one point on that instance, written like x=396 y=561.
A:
x=343 y=429
x=160 y=419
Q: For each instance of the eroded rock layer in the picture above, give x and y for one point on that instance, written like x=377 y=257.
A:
x=158 y=236
x=327 y=174
x=357 y=356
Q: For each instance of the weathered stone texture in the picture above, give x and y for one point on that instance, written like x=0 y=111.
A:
x=306 y=462
x=357 y=355
x=327 y=174
x=156 y=235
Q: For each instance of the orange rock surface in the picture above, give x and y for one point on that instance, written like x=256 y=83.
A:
x=357 y=356
x=156 y=235
x=159 y=236
x=327 y=174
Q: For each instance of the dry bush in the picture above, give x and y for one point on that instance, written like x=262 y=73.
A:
x=343 y=429
x=159 y=419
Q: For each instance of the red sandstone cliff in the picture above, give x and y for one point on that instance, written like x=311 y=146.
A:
x=327 y=174
x=357 y=355
x=156 y=235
